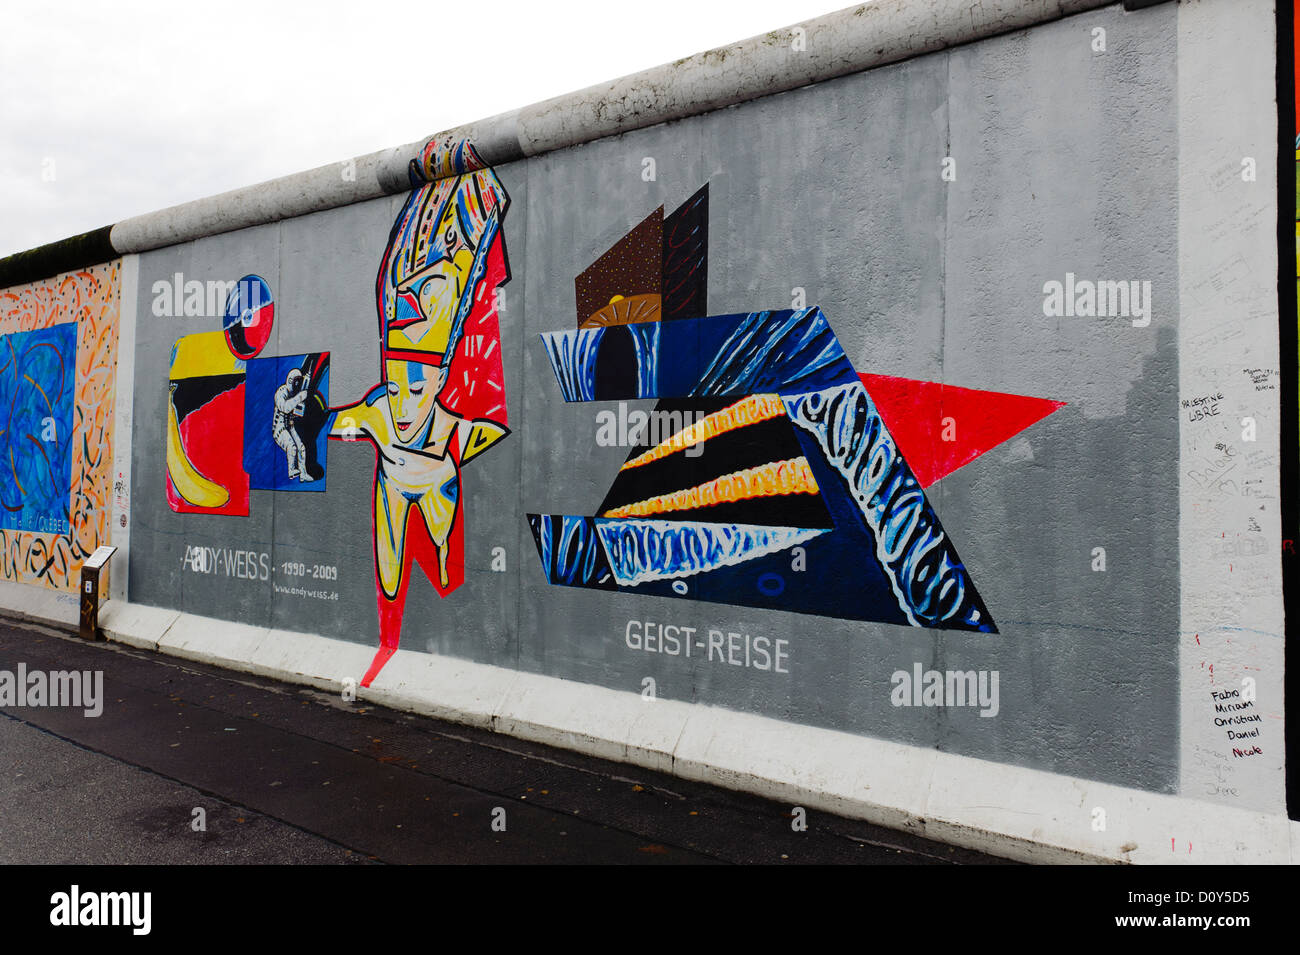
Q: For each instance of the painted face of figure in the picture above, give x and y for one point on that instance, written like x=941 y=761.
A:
x=428 y=299
x=412 y=392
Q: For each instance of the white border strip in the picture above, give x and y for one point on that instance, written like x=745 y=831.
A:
x=1232 y=619
x=119 y=531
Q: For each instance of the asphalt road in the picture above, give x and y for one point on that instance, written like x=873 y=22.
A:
x=287 y=774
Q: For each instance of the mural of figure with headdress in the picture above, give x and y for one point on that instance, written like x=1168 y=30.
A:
x=441 y=398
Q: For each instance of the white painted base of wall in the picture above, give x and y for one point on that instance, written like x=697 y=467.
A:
x=1005 y=810
x=30 y=602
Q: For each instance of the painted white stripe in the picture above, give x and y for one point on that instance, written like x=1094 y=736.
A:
x=123 y=417
x=1231 y=604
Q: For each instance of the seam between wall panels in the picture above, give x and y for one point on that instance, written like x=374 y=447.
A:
x=937 y=657
x=521 y=529
x=123 y=424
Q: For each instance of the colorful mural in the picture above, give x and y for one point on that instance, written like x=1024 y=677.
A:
x=290 y=394
x=882 y=452
x=205 y=427
x=58 y=361
x=235 y=421
x=791 y=459
x=239 y=422
x=440 y=401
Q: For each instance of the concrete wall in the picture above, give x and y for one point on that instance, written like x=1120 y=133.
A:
x=1075 y=456
x=1230 y=535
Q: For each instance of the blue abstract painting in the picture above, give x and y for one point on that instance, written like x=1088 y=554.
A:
x=37 y=374
x=285 y=411
x=782 y=488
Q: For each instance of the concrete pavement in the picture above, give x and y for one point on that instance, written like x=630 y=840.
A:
x=286 y=774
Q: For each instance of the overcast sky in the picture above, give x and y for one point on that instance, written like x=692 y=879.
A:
x=108 y=110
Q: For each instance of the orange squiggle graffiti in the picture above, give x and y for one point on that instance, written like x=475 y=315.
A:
x=89 y=298
x=749 y=410
x=793 y=476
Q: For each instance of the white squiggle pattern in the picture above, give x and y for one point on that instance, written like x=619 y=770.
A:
x=645 y=550
x=573 y=358
x=931 y=585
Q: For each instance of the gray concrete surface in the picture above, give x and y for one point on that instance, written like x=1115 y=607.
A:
x=290 y=775
x=66 y=805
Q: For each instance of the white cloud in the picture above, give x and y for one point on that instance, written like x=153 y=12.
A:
x=141 y=105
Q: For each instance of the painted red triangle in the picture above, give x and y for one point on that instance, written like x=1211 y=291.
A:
x=914 y=412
